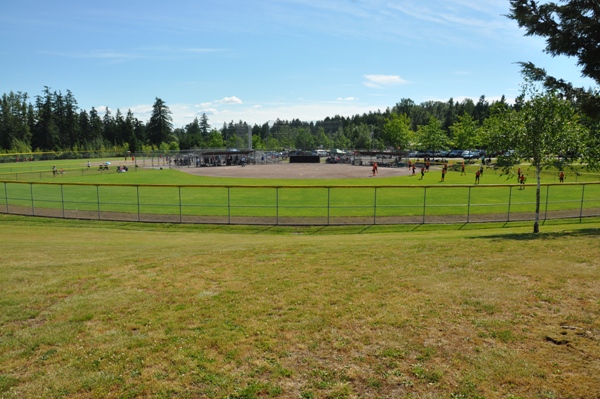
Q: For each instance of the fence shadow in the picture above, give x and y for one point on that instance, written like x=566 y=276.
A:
x=552 y=235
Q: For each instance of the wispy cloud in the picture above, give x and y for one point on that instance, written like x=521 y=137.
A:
x=203 y=50
x=382 y=81
x=438 y=20
x=134 y=54
x=109 y=55
x=347 y=99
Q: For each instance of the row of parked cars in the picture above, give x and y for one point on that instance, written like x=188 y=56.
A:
x=466 y=154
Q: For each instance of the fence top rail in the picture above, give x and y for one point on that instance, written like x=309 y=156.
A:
x=292 y=186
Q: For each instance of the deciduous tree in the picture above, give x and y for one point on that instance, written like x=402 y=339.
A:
x=397 y=131
x=431 y=136
x=543 y=128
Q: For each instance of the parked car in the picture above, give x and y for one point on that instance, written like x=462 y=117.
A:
x=470 y=154
x=455 y=154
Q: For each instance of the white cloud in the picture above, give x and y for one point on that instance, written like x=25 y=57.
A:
x=259 y=114
x=207 y=111
x=230 y=100
x=381 y=81
x=347 y=99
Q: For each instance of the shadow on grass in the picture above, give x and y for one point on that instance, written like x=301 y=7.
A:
x=551 y=235
x=554 y=229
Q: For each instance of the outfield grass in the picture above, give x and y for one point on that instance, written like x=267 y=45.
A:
x=177 y=195
x=99 y=309
x=77 y=171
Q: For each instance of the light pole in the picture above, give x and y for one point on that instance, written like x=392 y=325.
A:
x=372 y=135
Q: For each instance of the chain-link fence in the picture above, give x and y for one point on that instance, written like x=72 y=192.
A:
x=298 y=205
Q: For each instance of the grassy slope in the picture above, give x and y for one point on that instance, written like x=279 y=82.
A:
x=125 y=310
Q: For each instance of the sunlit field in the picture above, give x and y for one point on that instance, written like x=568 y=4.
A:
x=154 y=194
x=99 y=309
x=108 y=309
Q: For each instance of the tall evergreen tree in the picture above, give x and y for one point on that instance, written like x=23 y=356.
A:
x=95 y=139
x=128 y=132
x=14 y=127
x=85 y=129
x=160 y=125
x=109 y=130
x=70 y=133
x=45 y=132
x=571 y=28
x=204 y=126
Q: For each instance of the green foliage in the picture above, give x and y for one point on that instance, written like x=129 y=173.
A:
x=54 y=123
x=431 y=136
x=215 y=139
x=397 y=132
x=466 y=133
x=160 y=125
x=305 y=140
x=570 y=28
x=545 y=128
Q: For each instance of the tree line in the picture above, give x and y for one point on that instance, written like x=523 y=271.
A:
x=53 y=121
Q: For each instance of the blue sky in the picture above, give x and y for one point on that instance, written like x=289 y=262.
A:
x=257 y=61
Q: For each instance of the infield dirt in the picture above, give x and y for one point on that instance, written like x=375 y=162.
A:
x=297 y=171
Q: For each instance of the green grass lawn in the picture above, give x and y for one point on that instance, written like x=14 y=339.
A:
x=178 y=194
x=124 y=310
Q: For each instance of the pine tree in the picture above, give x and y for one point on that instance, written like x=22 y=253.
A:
x=571 y=28
x=160 y=125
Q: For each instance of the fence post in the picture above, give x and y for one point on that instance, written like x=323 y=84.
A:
x=424 y=202
x=328 y=204
x=375 y=205
x=228 y=205
x=6 y=196
x=180 y=217
x=62 y=200
x=32 y=206
x=509 y=200
x=547 y=195
x=582 y=198
x=469 y=205
x=277 y=206
x=137 y=189
x=98 y=199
